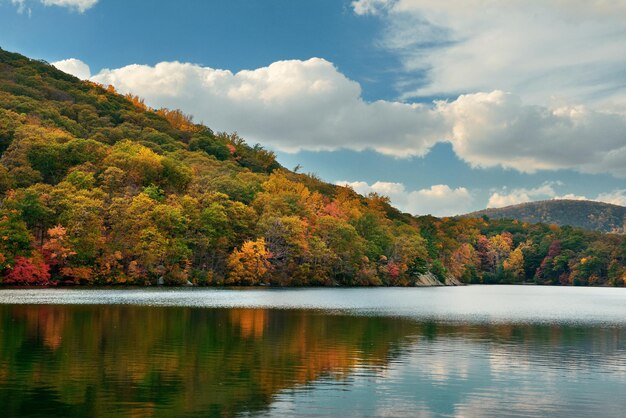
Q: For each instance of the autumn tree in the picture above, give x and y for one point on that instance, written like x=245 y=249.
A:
x=28 y=271
x=514 y=264
x=249 y=264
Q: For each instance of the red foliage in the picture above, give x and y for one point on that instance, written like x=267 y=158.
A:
x=486 y=254
x=27 y=271
x=333 y=209
x=555 y=249
x=393 y=270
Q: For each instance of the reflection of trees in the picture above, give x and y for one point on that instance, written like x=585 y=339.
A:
x=86 y=360
x=64 y=360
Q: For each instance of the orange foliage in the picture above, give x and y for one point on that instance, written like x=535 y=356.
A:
x=251 y=322
x=56 y=250
x=179 y=120
x=136 y=101
x=78 y=274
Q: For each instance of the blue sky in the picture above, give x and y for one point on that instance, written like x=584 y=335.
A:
x=446 y=107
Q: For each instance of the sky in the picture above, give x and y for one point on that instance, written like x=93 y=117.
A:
x=444 y=106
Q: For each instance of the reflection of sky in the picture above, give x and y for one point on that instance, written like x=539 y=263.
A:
x=467 y=377
x=302 y=362
x=473 y=304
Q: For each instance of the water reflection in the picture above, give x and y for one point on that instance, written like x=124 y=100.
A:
x=154 y=361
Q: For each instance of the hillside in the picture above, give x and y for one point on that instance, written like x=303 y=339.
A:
x=596 y=216
x=98 y=188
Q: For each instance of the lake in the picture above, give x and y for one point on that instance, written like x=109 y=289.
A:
x=466 y=351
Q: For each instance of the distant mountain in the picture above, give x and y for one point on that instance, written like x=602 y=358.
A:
x=585 y=214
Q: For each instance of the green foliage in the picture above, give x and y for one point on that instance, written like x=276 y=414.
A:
x=154 y=192
x=15 y=239
x=208 y=143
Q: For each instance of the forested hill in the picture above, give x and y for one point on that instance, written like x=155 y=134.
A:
x=98 y=188
x=597 y=216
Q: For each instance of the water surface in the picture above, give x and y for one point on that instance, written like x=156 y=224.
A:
x=472 y=351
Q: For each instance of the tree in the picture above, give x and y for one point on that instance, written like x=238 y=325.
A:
x=486 y=255
x=15 y=239
x=6 y=180
x=283 y=197
x=285 y=238
x=514 y=264
x=28 y=271
x=501 y=245
x=249 y=265
x=56 y=250
x=463 y=262
x=344 y=242
x=32 y=204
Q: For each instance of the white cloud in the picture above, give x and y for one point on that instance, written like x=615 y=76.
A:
x=79 y=5
x=498 y=129
x=521 y=195
x=546 y=191
x=310 y=105
x=291 y=105
x=442 y=200
x=616 y=197
x=74 y=67
x=438 y=200
x=539 y=49
x=370 y=7
x=571 y=196
x=20 y=4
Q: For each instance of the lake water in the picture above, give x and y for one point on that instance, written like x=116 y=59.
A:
x=467 y=351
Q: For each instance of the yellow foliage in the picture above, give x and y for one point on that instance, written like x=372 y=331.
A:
x=179 y=120
x=78 y=274
x=515 y=262
x=249 y=264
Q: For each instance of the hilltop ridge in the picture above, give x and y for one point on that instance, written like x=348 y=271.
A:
x=587 y=214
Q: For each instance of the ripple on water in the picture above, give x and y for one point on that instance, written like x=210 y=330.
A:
x=477 y=304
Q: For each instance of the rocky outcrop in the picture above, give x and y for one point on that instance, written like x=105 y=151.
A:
x=427 y=279
x=452 y=281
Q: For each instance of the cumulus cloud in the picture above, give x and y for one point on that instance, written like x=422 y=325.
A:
x=290 y=105
x=78 y=5
x=521 y=195
x=541 y=49
x=310 y=105
x=438 y=200
x=498 y=129
x=75 y=67
x=616 y=197
x=546 y=191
